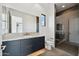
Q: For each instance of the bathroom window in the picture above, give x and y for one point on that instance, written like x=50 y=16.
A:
x=43 y=20
x=16 y=24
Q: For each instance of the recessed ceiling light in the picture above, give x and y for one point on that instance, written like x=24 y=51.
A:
x=63 y=6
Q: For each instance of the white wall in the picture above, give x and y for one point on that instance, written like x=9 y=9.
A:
x=0 y=30
x=51 y=25
x=29 y=23
x=0 y=20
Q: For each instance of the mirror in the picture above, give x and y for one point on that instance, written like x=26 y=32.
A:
x=16 y=24
x=15 y=21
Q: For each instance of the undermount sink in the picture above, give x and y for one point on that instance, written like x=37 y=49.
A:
x=27 y=34
x=31 y=34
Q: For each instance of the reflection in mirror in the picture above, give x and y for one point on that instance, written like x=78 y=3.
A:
x=4 y=23
x=4 y=20
x=14 y=21
x=16 y=24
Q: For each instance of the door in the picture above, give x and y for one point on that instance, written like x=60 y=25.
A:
x=74 y=30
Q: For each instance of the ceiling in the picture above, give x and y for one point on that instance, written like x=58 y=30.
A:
x=47 y=6
x=59 y=6
x=27 y=7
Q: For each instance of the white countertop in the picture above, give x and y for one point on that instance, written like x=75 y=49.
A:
x=22 y=37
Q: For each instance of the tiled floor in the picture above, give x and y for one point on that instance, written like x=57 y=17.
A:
x=73 y=50
x=63 y=49
x=55 y=52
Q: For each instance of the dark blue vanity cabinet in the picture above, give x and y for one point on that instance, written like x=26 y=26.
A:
x=23 y=47
x=38 y=43
x=26 y=46
x=12 y=48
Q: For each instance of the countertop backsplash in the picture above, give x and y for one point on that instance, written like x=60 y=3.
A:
x=13 y=36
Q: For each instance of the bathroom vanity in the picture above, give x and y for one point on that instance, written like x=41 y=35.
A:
x=23 y=46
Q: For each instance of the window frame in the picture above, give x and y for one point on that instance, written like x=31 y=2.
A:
x=43 y=20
